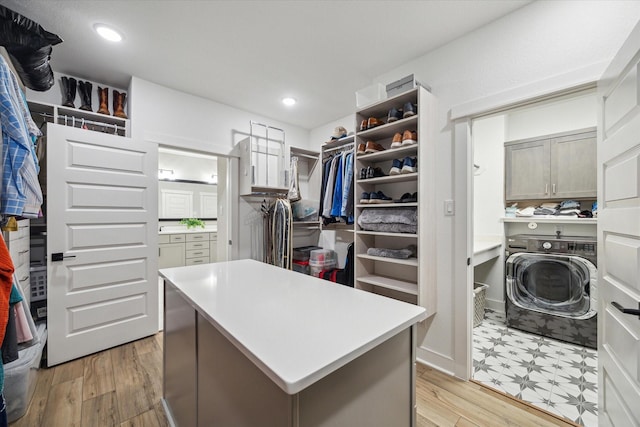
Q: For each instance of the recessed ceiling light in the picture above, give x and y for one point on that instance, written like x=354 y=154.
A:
x=108 y=33
x=288 y=101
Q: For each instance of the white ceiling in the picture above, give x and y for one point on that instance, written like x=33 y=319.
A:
x=250 y=54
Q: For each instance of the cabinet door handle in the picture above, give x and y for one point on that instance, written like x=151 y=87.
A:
x=197 y=253
x=546 y=188
x=553 y=188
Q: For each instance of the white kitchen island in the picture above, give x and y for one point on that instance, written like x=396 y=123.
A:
x=250 y=344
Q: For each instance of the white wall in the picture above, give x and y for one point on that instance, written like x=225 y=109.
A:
x=169 y=117
x=488 y=180
x=568 y=113
x=533 y=44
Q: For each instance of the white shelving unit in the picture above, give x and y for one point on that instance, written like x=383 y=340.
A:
x=75 y=117
x=412 y=280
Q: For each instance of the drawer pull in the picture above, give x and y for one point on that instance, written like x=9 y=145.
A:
x=23 y=252
x=197 y=253
x=197 y=261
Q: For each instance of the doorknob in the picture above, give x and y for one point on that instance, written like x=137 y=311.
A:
x=59 y=256
x=631 y=311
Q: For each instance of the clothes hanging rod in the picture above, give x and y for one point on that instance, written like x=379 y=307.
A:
x=344 y=147
x=307 y=156
x=80 y=121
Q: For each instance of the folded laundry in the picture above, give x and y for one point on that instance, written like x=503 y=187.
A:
x=404 y=253
x=569 y=204
x=393 y=220
x=528 y=211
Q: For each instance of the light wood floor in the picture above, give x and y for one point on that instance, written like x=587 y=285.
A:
x=123 y=386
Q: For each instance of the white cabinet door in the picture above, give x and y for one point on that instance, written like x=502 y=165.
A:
x=619 y=238
x=102 y=206
x=171 y=255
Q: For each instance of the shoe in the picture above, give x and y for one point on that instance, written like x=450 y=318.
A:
x=407 y=198
x=374 y=172
x=361 y=148
x=68 y=91
x=338 y=133
x=409 y=137
x=373 y=122
x=396 y=167
x=363 y=173
x=85 y=89
x=103 y=97
x=373 y=147
x=379 y=197
x=396 y=142
x=409 y=110
x=364 y=198
x=394 y=115
x=409 y=165
x=119 y=100
x=363 y=125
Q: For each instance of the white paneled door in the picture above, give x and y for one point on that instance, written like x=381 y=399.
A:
x=102 y=241
x=619 y=239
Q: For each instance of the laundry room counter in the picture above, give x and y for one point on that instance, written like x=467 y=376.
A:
x=485 y=249
x=247 y=343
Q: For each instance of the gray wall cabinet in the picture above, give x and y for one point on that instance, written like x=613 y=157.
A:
x=559 y=166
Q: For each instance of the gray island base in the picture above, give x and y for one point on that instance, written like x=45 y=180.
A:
x=250 y=344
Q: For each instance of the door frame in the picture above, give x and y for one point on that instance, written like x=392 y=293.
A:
x=461 y=117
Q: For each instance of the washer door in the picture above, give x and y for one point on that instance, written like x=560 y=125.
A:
x=562 y=285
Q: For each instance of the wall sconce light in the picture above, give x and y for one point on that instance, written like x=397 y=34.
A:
x=165 y=174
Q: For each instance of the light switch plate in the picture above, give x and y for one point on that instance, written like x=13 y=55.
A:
x=449 y=207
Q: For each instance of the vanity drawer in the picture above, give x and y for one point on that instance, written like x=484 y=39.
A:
x=197 y=237
x=197 y=253
x=201 y=260
x=176 y=238
x=197 y=245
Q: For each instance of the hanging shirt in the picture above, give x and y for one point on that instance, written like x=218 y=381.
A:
x=346 y=210
x=21 y=194
x=328 y=195
x=336 y=205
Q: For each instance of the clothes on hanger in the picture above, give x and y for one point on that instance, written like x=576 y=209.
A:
x=6 y=284
x=336 y=195
x=20 y=194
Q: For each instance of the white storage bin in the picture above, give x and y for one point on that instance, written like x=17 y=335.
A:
x=20 y=377
x=370 y=95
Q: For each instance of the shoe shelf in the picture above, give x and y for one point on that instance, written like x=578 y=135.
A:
x=390 y=283
x=387 y=130
x=78 y=118
x=390 y=154
x=403 y=177
x=411 y=280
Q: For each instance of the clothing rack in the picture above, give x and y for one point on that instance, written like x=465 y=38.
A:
x=81 y=122
x=345 y=147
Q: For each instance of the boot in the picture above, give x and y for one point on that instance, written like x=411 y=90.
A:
x=68 y=91
x=86 y=92
x=119 y=100
x=103 y=95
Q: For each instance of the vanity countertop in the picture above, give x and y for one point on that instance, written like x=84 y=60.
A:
x=182 y=229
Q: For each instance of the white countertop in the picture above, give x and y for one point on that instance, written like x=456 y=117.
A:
x=182 y=229
x=297 y=329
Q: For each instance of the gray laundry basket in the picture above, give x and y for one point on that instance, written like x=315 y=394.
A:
x=479 y=302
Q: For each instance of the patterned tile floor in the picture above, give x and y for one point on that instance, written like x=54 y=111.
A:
x=553 y=375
